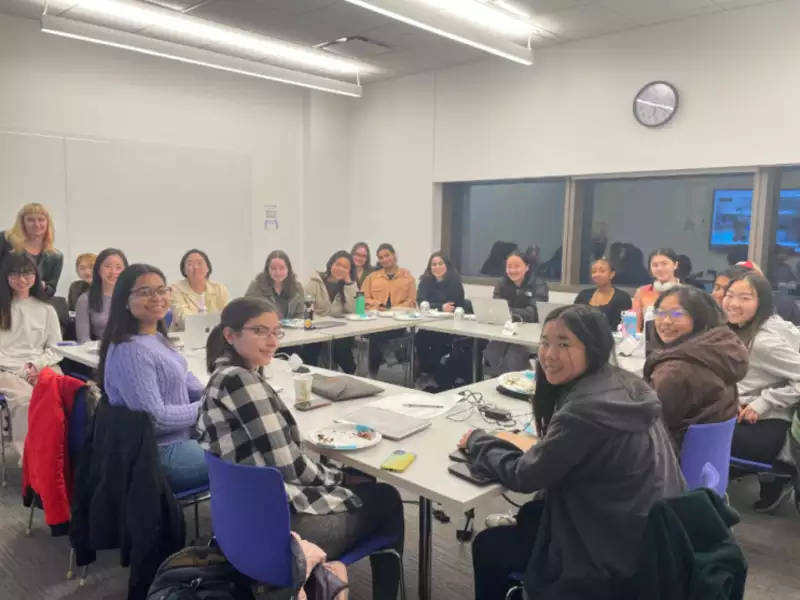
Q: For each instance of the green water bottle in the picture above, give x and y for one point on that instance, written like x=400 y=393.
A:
x=360 y=304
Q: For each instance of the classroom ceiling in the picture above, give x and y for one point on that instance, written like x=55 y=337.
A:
x=398 y=49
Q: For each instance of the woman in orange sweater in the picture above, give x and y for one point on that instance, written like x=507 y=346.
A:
x=389 y=287
x=663 y=264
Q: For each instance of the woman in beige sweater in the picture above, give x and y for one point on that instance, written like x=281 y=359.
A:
x=196 y=293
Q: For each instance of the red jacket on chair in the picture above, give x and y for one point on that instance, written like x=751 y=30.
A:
x=46 y=468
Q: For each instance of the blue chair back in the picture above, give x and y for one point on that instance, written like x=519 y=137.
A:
x=705 y=455
x=250 y=517
x=76 y=426
x=168 y=319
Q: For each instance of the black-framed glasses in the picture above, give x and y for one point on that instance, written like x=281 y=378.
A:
x=148 y=292
x=264 y=332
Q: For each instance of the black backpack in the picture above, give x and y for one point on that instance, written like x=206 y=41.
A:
x=199 y=573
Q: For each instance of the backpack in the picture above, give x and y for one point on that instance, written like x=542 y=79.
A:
x=199 y=573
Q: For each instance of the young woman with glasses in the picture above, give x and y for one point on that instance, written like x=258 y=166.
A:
x=243 y=420
x=140 y=369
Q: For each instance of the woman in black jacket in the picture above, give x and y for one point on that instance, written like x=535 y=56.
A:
x=603 y=458
x=440 y=286
x=609 y=300
x=520 y=289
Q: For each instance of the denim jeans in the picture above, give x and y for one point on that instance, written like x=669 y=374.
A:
x=184 y=465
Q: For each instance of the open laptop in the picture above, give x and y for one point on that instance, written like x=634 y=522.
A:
x=197 y=328
x=491 y=310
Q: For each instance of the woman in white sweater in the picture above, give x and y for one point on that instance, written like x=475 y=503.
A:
x=770 y=392
x=29 y=330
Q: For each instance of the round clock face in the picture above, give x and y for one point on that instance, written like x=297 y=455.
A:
x=655 y=104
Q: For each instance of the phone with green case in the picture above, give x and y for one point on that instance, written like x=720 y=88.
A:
x=399 y=461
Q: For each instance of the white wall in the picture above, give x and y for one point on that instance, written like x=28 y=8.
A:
x=571 y=114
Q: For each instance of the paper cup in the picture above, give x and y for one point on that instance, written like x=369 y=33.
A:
x=302 y=387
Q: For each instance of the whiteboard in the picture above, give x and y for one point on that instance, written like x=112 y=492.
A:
x=155 y=202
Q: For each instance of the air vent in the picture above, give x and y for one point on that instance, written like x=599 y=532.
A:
x=355 y=46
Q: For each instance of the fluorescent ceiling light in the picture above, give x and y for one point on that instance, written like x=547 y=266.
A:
x=196 y=56
x=139 y=16
x=487 y=14
x=423 y=14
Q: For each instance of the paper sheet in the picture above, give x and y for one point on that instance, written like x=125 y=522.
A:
x=425 y=405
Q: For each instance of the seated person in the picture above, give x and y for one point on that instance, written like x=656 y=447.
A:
x=363 y=262
x=388 y=287
x=786 y=307
x=140 y=369
x=663 y=268
x=91 y=312
x=334 y=295
x=278 y=285
x=603 y=457
x=84 y=265
x=698 y=363
x=771 y=389
x=29 y=332
x=196 y=293
x=440 y=286
x=609 y=300
x=243 y=420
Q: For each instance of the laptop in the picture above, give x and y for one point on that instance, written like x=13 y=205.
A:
x=491 y=310
x=391 y=425
x=197 y=328
x=328 y=324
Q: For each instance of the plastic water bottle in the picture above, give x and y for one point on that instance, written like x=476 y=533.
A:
x=360 y=303
x=425 y=307
x=458 y=314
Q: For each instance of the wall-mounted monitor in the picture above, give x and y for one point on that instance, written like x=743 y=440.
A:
x=732 y=212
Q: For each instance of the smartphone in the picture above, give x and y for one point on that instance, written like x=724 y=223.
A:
x=462 y=470
x=399 y=461
x=311 y=404
x=459 y=455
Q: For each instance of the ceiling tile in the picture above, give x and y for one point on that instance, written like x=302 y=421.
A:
x=648 y=12
x=250 y=15
x=583 y=22
x=399 y=36
x=31 y=9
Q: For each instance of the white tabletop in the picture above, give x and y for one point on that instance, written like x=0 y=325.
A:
x=528 y=334
x=366 y=327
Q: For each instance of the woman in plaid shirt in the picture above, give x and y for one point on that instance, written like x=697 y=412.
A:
x=243 y=420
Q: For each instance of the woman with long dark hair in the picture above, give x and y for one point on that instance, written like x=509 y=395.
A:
x=362 y=259
x=29 y=333
x=698 y=363
x=243 y=420
x=91 y=311
x=609 y=300
x=603 y=457
x=333 y=292
x=770 y=391
x=278 y=285
x=663 y=265
x=140 y=369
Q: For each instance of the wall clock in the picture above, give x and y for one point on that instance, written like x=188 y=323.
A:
x=656 y=104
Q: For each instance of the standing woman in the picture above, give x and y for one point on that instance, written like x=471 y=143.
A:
x=698 y=363
x=277 y=284
x=140 y=369
x=196 y=293
x=362 y=258
x=663 y=266
x=609 y=300
x=334 y=295
x=91 y=311
x=384 y=289
x=33 y=234
x=84 y=267
x=441 y=287
x=29 y=333
x=770 y=391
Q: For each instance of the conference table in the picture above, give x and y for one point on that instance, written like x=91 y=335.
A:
x=428 y=477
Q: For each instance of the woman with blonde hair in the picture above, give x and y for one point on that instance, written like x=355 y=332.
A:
x=33 y=234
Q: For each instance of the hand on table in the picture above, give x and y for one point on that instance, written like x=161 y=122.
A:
x=747 y=415
x=462 y=443
x=449 y=307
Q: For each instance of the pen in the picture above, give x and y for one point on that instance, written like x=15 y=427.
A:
x=423 y=405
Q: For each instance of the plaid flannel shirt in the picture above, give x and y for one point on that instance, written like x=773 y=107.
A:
x=243 y=420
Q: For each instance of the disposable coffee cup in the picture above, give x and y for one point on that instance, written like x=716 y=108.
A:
x=302 y=387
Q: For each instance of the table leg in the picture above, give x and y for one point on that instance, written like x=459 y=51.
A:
x=425 y=543
x=330 y=355
x=411 y=359
x=476 y=353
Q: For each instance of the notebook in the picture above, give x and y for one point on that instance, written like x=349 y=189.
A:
x=391 y=425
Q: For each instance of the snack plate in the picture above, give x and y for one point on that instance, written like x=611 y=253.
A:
x=345 y=436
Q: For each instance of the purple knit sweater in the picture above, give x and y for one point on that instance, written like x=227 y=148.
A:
x=147 y=374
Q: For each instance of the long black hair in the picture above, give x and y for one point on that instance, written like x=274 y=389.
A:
x=290 y=284
x=340 y=284
x=122 y=325
x=204 y=256
x=383 y=246
x=766 y=306
x=365 y=246
x=702 y=308
x=16 y=263
x=96 y=289
x=526 y=258
x=235 y=315
x=667 y=253
x=451 y=273
x=590 y=326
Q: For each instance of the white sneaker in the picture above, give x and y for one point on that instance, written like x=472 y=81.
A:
x=501 y=520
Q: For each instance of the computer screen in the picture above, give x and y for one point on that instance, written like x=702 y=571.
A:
x=732 y=212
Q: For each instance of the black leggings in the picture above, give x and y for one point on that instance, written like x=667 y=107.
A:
x=760 y=442
x=431 y=347
x=381 y=515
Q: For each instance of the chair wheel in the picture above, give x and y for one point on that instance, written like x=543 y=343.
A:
x=82 y=582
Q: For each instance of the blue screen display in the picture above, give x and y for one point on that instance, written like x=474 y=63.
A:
x=730 y=220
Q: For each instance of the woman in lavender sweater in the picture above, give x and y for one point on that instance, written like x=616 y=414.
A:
x=140 y=369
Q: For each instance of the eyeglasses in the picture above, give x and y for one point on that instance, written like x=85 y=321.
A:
x=148 y=292
x=674 y=314
x=26 y=275
x=264 y=332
